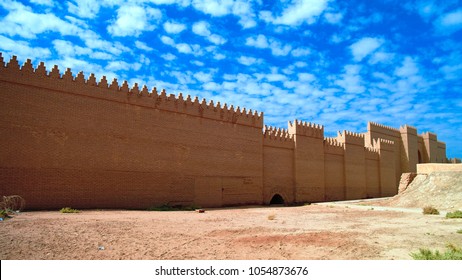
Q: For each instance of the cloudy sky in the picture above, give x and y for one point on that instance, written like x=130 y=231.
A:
x=335 y=63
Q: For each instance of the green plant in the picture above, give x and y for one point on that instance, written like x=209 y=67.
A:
x=430 y=210
x=454 y=215
x=166 y=207
x=4 y=214
x=69 y=210
x=459 y=231
x=452 y=253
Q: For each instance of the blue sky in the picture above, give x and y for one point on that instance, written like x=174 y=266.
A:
x=335 y=63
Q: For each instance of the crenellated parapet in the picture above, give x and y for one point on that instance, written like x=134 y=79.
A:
x=383 y=145
x=332 y=146
x=79 y=85
x=306 y=129
x=348 y=137
x=380 y=128
x=429 y=136
x=408 y=129
x=371 y=153
x=278 y=137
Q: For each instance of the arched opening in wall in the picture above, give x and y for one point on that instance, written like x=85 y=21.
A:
x=277 y=199
x=420 y=156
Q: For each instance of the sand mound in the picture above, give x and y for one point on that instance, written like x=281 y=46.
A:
x=442 y=190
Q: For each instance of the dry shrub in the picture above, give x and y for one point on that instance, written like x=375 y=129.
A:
x=13 y=203
x=430 y=210
x=271 y=217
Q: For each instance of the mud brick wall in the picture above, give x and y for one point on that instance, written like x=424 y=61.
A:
x=65 y=143
x=74 y=141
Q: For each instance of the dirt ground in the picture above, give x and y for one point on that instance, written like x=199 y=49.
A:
x=325 y=231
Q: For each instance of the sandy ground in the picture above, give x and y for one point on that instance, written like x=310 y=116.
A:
x=325 y=231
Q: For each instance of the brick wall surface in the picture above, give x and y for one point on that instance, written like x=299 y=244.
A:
x=68 y=141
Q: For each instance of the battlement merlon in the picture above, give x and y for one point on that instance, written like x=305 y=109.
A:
x=278 y=137
x=407 y=129
x=348 y=137
x=380 y=128
x=384 y=145
x=371 y=153
x=332 y=146
x=429 y=136
x=306 y=129
x=276 y=133
x=78 y=85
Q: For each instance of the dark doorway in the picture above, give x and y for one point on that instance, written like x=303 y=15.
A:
x=420 y=156
x=277 y=199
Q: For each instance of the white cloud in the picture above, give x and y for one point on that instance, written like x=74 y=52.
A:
x=262 y=42
x=189 y=49
x=364 y=47
x=167 y=40
x=203 y=77
x=184 y=48
x=351 y=81
x=133 y=20
x=240 y=8
x=450 y=22
x=84 y=8
x=183 y=77
x=333 y=18
x=426 y=9
x=174 y=27
x=182 y=3
x=300 y=64
x=259 y=42
x=48 y=3
x=202 y=28
x=122 y=65
x=451 y=19
x=452 y=72
x=275 y=77
x=298 y=12
x=211 y=86
x=383 y=57
x=213 y=7
x=22 y=21
x=409 y=68
x=93 y=41
x=142 y=46
x=306 y=77
x=219 y=56
x=168 y=56
x=67 y=48
x=298 y=52
x=247 y=22
x=247 y=60
x=22 y=49
x=197 y=63
x=217 y=39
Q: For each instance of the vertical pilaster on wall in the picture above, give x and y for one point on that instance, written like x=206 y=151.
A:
x=410 y=158
x=355 y=164
x=308 y=161
x=386 y=148
x=431 y=146
x=442 y=153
